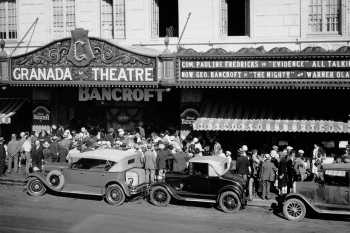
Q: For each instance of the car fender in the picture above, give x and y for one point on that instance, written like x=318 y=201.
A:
x=171 y=191
x=124 y=187
x=38 y=176
x=233 y=188
x=302 y=198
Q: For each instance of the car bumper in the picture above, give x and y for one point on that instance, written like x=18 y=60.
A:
x=133 y=190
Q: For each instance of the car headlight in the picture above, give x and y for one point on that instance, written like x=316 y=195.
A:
x=130 y=181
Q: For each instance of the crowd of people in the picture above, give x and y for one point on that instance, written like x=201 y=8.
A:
x=166 y=151
x=278 y=170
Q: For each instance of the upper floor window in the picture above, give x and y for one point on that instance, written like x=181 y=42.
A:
x=165 y=18
x=235 y=17
x=324 y=16
x=8 y=19
x=63 y=17
x=113 y=19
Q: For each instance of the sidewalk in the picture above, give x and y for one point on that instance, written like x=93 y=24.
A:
x=13 y=178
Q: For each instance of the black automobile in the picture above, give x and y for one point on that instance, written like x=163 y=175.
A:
x=208 y=179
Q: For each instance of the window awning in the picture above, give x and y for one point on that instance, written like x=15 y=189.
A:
x=8 y=108
x=259 y=117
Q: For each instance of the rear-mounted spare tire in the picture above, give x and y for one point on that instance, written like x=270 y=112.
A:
x=55 y=179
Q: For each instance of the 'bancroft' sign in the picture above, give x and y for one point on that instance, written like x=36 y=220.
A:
x=121 y=94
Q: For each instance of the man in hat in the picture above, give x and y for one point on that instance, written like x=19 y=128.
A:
x=299 y=166
x=243 y=165
x=150 y=162
x=110 y=136
x=13 y=148
x=2 y=156
x=268 y=176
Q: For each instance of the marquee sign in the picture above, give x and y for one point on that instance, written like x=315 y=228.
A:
x=261 y=69
x=83 y=61
x=269 y=125
x=252 y=67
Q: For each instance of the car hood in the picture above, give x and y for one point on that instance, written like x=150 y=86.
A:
x=53 y=166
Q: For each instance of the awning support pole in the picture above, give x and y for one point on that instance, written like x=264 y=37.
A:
x=183 y=30
x=25 y=35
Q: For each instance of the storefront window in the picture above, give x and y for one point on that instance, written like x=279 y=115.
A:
x=324 y=16
x=234 y=17
x=8 y=19
x=113 y=19
x=165 y=18
x=63 y=17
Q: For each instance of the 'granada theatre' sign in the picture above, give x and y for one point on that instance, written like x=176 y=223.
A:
x=84 y=61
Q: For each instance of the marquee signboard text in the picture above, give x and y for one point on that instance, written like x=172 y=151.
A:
x=235 y=68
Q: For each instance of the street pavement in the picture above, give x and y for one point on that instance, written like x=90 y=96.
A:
x=51 y=213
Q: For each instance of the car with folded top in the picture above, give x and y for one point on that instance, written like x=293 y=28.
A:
x=208 y=179
x=116 y=175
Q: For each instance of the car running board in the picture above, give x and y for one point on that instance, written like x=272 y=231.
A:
x=198 y=200
x=339 y=212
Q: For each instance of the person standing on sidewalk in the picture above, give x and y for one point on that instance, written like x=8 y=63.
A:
x=150 y=162
x=268 y=176
x=27 y=147
x=2 y=156
x=37 y=156
x=243 y=165
x=13 y=148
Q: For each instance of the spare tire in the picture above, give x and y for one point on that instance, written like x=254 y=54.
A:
x=55 y=179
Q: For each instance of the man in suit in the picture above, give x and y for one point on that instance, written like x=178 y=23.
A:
x=2 y=156
x=268 y=176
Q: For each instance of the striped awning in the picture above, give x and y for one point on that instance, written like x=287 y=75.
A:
x=262 y=113
x=8 y=108
x=271 y=125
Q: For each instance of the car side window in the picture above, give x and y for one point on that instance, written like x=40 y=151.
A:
x=199 y=169
x=336 y=178
x=91 y=164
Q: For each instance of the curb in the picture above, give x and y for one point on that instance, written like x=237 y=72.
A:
x=13 y=182
x=261 y=203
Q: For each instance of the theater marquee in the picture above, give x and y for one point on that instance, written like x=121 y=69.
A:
x=261 y=69
x=83 y=61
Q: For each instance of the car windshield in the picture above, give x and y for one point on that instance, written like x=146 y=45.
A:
x=199 y=169
x=337 y=178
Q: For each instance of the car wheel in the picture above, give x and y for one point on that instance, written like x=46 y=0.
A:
x=159 y=196
x=35 y=187
x=229 y=202
x=294 y=209
x=115 y=195
x=55 y=179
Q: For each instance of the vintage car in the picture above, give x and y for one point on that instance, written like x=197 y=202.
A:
x=115 y=174
x=208 y=179
x=327 y=194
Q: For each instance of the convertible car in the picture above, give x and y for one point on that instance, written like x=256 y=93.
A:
x=208 y=179
x=115 y=174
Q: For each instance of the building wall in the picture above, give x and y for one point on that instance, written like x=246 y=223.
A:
x=273 y=23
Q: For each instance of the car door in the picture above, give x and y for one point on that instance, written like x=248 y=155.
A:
x=196 y=184
x=335 y=191
x=85 y=176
